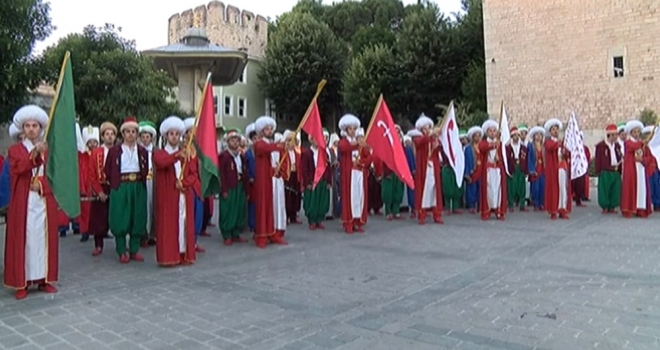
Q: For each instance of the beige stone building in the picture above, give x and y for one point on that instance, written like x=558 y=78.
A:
x=598 y=57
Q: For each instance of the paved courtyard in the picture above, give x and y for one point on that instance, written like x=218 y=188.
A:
x=527 y=283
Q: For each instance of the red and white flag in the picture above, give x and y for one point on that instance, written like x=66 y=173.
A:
x=385 y=142
x=451 y=143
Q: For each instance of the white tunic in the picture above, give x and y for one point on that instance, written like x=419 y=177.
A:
x=36 y=229
x=129 y=159
x=494 y=180
x=150 y=187
x=563 y=181
x=357 y=186
x=279 y=203
x=182 y=202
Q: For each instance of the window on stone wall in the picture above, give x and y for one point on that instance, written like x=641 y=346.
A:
x=617 y=65
x=229 y=105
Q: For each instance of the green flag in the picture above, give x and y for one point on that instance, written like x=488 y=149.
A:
x=62 y=163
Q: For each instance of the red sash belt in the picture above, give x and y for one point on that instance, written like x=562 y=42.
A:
x=131 y=177
x=490 y=165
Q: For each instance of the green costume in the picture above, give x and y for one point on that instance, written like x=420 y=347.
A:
x=451 y=193
x=316 y=202
x=516 y=188
x=609 y=189
x=392 y=192
x=128 y=215
x=232 y=212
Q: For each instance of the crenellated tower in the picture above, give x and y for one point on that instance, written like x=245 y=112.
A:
x=225 y=25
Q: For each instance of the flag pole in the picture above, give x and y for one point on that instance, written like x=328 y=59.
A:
x=53 y=105
x=193 y=131
x=443 y=121
x=373 y=115
x=319 y=88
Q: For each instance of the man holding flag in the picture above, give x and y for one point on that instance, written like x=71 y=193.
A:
x=493 y=192
x=31 y=241
x=428 y=188
x=353 y=181
x=316 y=198
x=174 y=199
x=264 y=231
x=454 y=161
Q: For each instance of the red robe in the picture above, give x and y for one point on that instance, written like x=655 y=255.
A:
x=21 y=177
x=552 y=166
x=83 y=173
x=345 y=167
x=166 y=208
x=263 y=184
x=484 y=150
x=587 y=182
x=427 y=149
x=629 y=184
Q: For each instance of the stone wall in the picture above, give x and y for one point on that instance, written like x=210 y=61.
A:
x=226 y=25
x=544 y=58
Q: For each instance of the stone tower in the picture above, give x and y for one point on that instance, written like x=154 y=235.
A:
x=226 y=26
x=599 y=57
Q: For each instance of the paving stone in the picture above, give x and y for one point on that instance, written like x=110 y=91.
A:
x=586 y=282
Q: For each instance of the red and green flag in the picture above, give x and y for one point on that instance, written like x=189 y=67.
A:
x=206 y=143
x=61 y=166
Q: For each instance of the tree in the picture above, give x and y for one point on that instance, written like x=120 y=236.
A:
x=368 y=76
x=473 y=86
x=648 y=117
x=470 y=32
x=426 y=56
x=22 y=24
x=301 y=53
x=372 y=35
x=111 y=79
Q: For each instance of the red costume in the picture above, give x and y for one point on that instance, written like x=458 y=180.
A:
x=346 y=166
x=485 y=148
x=629 y=205
x=292 y=184
x=552 y=166
x=166 y=205
x=81 y=220
x=22 y=165
x=427 y=150
x=263 y=183
x=98 y=223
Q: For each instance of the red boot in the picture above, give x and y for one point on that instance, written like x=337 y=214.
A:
x=47 y=288
x=21 y=294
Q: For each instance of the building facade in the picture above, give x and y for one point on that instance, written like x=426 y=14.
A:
x=546 y=58
x=242 y=103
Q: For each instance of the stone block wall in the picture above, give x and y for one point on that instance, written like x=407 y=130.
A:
x=225 y=25
x=544 y=58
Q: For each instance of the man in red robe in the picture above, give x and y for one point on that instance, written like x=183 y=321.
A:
x=557 y=172
x=177 y=180
x=98 y=219
x=264 y=231
x=91 y=138
x=637 y=168
x=493 y=188
x=428 y=181
x=31 y=239
x=353 y=176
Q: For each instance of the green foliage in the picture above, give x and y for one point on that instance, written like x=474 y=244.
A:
x=368 y=76
x=301 y=53
x=424 y=48
x=473 y=86
x=648 y=117
x=111 y=79
x=22 y=24
x=372 y=35
x=415 y=55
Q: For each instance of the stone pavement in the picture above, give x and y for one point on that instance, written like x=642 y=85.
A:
x=590 y=282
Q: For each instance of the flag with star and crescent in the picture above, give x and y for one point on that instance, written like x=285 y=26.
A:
x=386 y=144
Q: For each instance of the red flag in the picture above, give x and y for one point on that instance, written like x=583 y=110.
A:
x=312 y=126
x=386 y=143
x=206 y=140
